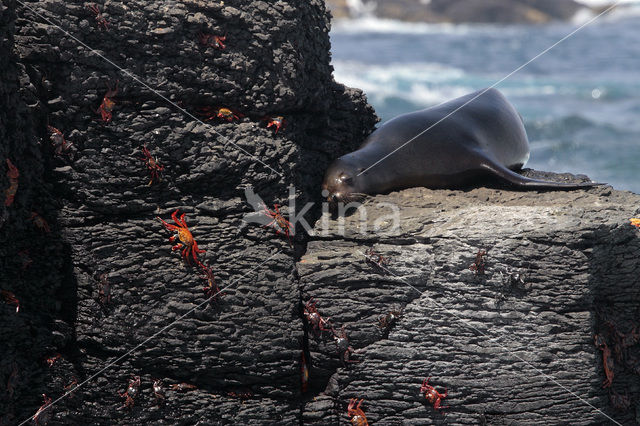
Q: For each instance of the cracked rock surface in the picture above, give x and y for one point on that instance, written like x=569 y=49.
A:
x=509 y=349
x=103 y=214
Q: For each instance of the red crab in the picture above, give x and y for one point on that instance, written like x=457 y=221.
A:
x=100 y=20
x=276 y=122
x=358 y=418
x=10 y=299
x=279 y=223
x=158 y=391
x=12 y=174
x=211 y=290
x=342 y=345
x=385 y=322
x=155 y=168
x=375 y=259
x=44 y=414
x=132 y=391
x=104 y=290
x=210 y=40
x=304 y=373
x=58 y=141
x=53 y=359
x=318 y=324
x=607 y=360
x=106 y=107
x=432 y=395
x=183 y=233
x=40 y=222
x=478 y=265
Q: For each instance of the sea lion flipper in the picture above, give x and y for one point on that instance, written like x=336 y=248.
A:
x=524 y=182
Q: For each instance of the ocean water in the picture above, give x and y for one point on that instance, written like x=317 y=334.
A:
x=580 y=101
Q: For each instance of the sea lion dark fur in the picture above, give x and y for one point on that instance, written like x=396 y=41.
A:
x=484 y=137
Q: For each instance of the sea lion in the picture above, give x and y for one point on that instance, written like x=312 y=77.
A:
x=446 y=146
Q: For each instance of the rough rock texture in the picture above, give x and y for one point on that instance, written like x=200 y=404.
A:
x=461 y=11
x=578 y=249
x=509 y=352
x=102 y=213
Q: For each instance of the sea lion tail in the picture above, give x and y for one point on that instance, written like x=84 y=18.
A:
x=529 y=183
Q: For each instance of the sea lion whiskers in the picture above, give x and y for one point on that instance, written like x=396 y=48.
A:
x=352 y=197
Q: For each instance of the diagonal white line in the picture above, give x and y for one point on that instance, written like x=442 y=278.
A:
x=153 y=336
x=509 y=351
x=135 y=78
x=589 y=22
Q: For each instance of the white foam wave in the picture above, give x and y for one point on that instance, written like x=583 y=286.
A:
x=419 y=83
x=372 y=24
x=626 y=9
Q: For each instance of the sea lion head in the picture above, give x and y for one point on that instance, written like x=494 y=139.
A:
x=342 y=183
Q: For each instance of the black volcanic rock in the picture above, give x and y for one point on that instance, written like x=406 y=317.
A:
x=509 y=348
x=102 y=213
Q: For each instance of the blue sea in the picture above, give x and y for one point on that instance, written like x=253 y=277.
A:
x=580 y=101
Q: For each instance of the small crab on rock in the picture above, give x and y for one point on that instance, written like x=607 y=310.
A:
x=279 y=222
x=358 y=418
x=318 y=324
x=342 y=346
x=154 y=167
x=210 y=113
x=131 y=393
x=276 y=122
x=210 y=40
x=106 y=107
x=184 y=235
x=432 y=395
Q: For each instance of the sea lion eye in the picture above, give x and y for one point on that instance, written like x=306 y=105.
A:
x=346 y=179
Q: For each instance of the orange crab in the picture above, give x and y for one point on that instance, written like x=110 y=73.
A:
x=358 y=418
x=210 y=40
x=106 y=107
x=635 y=222
x=184 y=235
x=276 y=123
x=155 y=168
x=12 y=174
x=279 y=223
x=209 y=113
